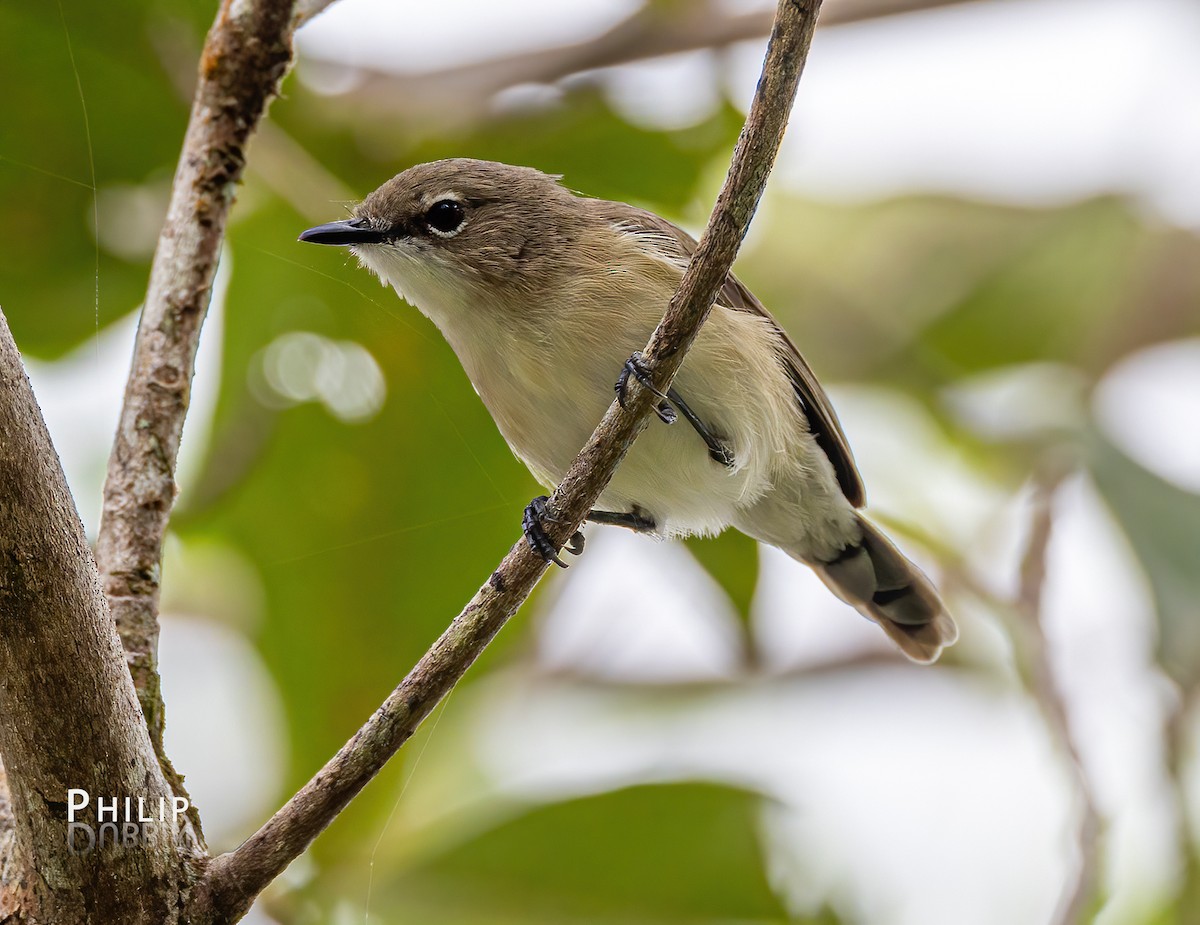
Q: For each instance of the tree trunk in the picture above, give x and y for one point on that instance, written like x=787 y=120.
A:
x=69 y=716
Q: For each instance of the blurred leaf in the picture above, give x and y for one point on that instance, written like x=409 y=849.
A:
x=731 y=558
x=1163 y=526
x=1047 y=301
x=921 y=291
x=133 y=131
x=660 y=853
x=580 y=137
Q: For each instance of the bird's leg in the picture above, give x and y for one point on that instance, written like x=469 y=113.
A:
x=634 y=520
x=718 y=449
x=635 y=366
x=535 y=534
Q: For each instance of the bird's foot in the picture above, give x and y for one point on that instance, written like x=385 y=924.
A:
x=635 y=366
x=536 y=512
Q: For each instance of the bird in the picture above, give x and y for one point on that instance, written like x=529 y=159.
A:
x=545 y=296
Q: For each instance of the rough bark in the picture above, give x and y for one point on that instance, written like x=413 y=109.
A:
x=17 y=901
x=234 y=879
x=246 y=54
x=69 y=716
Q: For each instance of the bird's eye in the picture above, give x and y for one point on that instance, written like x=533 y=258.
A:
x=445 y=217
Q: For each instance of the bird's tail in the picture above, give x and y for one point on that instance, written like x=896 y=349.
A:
x=875 y=578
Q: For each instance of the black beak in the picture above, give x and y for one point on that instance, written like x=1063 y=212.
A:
x=352 y=231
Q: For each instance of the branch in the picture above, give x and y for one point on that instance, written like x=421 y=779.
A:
x=651 y=32
x=17 y=900
x=1079 y=894
x=307 y=9
x=245 y=56
x=234 y=879
x=69 y=717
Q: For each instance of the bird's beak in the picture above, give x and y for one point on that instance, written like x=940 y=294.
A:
x=351 y=231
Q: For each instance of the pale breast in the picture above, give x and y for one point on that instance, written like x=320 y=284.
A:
x=545 y=369
x=548 y=390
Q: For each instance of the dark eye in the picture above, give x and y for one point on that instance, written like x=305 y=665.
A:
x=445 y=217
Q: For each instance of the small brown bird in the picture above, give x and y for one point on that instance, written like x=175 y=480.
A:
x=546 y=296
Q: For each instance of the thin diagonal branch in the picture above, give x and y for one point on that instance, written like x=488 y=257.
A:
x=1080 y=892
x=234 y=879
x=246 y=54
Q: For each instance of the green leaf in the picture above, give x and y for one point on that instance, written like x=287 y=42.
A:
x=920 y=291
x=658 y=853
x=1162 y=523
x=580 y=137
x=731 y=558
x=1046 y=299
x=131 y=135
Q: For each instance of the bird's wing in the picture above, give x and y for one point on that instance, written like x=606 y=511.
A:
x=822 y=420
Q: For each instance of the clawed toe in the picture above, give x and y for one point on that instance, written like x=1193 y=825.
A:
x=535 y=534
x=635 y=366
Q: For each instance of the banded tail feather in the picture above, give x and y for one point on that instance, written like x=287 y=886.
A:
x=875 y=578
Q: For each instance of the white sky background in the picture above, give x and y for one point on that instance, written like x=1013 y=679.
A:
x=1027 y=101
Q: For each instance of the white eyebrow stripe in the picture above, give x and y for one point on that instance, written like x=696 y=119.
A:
x=427 y=201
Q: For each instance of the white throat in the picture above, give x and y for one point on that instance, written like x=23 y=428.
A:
x=460 y=308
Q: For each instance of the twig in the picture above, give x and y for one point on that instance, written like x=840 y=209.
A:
x=307 y=9
x=246 y=54
x=1079 y=893
x=291 y=172
x=844 y=12
x=275 y=157
x=234 y=879
x=652 y=32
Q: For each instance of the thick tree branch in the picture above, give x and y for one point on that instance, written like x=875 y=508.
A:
x=17 y=899
x=69 y=716
x=234 y=879
x=246 y=54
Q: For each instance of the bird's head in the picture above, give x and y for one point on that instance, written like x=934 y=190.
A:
x=445 y=233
